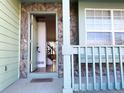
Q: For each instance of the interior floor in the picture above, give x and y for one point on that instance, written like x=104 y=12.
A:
x=48 y=68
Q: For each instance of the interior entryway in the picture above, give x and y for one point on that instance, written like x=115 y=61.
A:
x=43 y=45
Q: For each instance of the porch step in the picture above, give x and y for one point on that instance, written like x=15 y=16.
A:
x=102 y=91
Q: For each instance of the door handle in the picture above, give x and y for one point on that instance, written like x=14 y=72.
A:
x=38 y=49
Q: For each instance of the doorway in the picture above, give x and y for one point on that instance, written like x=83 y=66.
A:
x=43 y=56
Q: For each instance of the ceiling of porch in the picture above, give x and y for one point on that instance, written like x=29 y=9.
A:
x=52 y=1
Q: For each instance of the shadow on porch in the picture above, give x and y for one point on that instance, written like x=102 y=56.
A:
x=26 y=86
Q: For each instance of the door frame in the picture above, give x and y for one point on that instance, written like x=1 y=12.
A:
x=29 y=74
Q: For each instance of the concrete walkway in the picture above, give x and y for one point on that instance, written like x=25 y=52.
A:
x=25 y=86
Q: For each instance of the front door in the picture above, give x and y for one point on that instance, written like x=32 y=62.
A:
x=34 y=39
x=43 y=46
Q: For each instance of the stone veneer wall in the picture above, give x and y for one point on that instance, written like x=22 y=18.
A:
x=56 y=7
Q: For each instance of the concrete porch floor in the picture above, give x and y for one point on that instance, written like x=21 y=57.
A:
x=25 y=86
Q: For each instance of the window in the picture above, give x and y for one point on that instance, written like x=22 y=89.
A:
x=104 y=26
x=97 y=19
x=119 y=38
x=99 y=38
x=118 y=20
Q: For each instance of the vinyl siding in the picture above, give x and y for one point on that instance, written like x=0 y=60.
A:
x=9 y=42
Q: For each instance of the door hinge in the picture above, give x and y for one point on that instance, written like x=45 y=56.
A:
x=31 y=23
x=30 y=62
x=30 y=41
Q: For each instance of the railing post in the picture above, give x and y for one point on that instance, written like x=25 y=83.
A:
x=66 y=46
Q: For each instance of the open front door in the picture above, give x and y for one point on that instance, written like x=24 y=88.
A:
x=42 y=54
x=34 y=43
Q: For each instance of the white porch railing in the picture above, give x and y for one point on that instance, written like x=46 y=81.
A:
x=97 y=67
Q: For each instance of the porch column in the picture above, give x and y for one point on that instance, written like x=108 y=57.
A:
x=66 y=46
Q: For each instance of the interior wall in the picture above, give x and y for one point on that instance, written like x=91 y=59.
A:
x=50 y=20
x=41 y=44
x=51 y=28
x=47 y=7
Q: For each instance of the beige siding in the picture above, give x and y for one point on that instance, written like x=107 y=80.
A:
x=9 y=42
